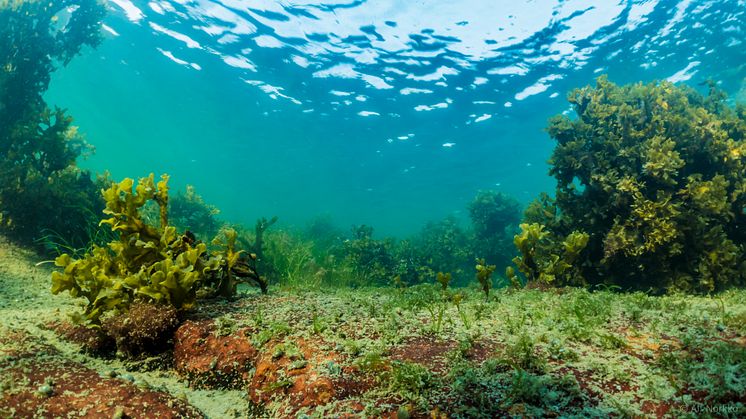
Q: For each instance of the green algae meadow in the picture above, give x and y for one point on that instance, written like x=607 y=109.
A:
x=619 y=293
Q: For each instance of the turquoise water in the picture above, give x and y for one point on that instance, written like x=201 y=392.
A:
x=388 y=113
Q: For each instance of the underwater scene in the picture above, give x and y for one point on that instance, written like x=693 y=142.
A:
x=372 y=208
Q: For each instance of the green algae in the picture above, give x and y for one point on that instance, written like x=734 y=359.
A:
x=154 y=263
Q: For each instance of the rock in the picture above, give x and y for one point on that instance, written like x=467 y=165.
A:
x=302 y=380
x=42 y=383
x=211 y=361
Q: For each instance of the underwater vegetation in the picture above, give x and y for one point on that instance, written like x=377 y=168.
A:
x=494 y=219
x=544 y=258
x=328 y=256
x=445 y=246
x=372 y=261
x=484 y=275
x=42 y=191
x=651 y=192
x=440 y=246
x=151 y=264
x=187 y=210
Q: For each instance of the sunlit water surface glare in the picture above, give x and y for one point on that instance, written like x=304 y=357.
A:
x=389 y=113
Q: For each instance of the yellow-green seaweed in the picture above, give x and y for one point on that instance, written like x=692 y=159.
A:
x=152 y=263
x=651 y=181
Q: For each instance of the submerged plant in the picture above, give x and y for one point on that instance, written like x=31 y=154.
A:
x=546 y=259
x=443 y=279
x=256 y=246
x=154 y=264
x=42 y=191
x=458 y=298
x=370 y=260
x=494 y=218
x=291 y=259
x=651 y=191
x=443 y=246
x=484 y=275
x=189 y=211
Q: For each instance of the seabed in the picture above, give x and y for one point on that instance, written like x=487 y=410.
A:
x=382 y=352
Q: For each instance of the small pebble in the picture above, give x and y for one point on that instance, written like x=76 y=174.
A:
x=46 y=390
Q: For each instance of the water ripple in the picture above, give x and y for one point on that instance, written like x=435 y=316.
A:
x=432 y=46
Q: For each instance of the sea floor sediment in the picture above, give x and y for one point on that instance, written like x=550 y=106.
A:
x=382 y=352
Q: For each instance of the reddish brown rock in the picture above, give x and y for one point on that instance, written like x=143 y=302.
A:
x=144 y=329
x=42 y=383
x=209 y=360
x=313 y=377
x=92 y=341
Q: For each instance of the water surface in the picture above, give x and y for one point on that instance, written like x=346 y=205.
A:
x=388 y=112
